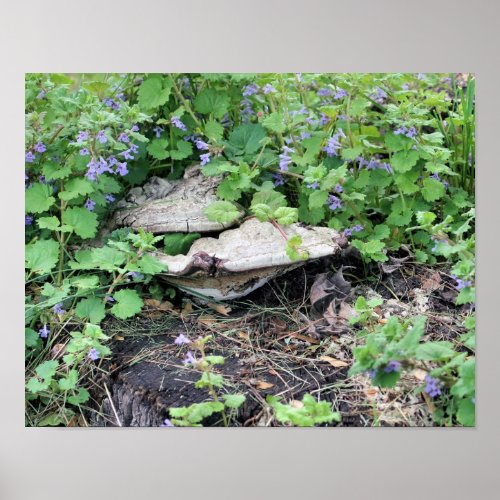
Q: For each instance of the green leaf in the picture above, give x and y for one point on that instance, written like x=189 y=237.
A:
x=214 y=130
x=383 y=379
x=184 y=149
x=34 y=385
x=262 y=211
x=51 y=223
x=83 y=222
x=92 y=308
x=157 y=148
x=128 y=304
x=68 y=383
x=466 y=384
x=246 y=138
x=76 y=187
x=105 y=258
x=435 y=351
x=31 y=338
x=286 y=215
x=292 y=249
x=42 y=256
x=381 y=232
x=211 y=101
x=81 y=397
x=38 y=198
x=400 y=218
x=47 y=369
x=466 y=296
x=274 y=122
x=52 y=170
x=358 y=106
x=154 y=92
x=224 y=212
x=234 y=400
x=395 y=142
x=433 y=189
x=85 y=282
x=317 y=199
x=96 y=87
x=403 y=161
x=210 y=379
x=179 y=243
x=273 y=199
x=149 y=265
x=466 y=413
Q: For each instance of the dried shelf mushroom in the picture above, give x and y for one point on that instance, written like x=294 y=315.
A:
x=234 y=264
x=162 y=206
x=243 y=259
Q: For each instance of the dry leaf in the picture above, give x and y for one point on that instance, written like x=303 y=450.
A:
x=337 y=363
x=432 y=282
x=243 y=335
x=118 y=337
x=261 y=384
x=158 y=305
x=207 y=320
x=58 y=350
x=419 y=374
x=371 y=392
x=327 y=287
x=220 y=308
x=187 y=309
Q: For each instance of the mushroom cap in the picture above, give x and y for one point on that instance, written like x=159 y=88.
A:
x=162 y=206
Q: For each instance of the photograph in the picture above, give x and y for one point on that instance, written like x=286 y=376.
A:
x=250 y=250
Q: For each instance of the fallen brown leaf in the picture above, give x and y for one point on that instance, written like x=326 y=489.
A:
x=337 y=363
x=187 y=309
x=157 y=304
x=261 y=384
x=432 y=282
x=207 y=320
x=220 y=308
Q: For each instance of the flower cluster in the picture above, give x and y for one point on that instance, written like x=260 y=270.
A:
x=251 y=89
x=333 y=145
x=379 y=95
x=392 y=366
x=410 y=132
x=433 y=386
x=278 y=180
x=176 y=122
x=334 y=202
x=373 y=163
x=285 y=159
x=446 y=184
x=355 y=229
x=460 y=283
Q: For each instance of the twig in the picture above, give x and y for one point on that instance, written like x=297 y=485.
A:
x=113 y=406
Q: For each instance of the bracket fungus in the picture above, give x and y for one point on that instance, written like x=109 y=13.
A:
x=231 y=265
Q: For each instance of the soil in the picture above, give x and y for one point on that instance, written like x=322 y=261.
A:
x=273 y=344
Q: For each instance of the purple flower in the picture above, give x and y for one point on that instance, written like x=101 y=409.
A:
x=176 y=122
x=421 y=76
x=412 y=132
x=112 y=161
x=109 y=298
x=123 y=137
x=268 y=88
x=339 y=188
x=325 y=92
x=313 y=185
x=278 y=180
x=134 y=148
x=93 y=354
x=189 y=359
x=110 y=198
x=82 y=136
x=40 y=147
x=400 y=130
x=340 y=94
x=461 y=283
x=135 y=128
x=324 y=119
x=392 y=366
x=134 y=275
x=205 y=158
x=44 y=332
x=121 y=168
x=251 y=89
x=90 y=205
x=285 y=160
x=357 y=228
x=41 y=94
x=167 y=423
x=372 y=373
x=127 y=154
x=446 y=184
x=201 y=144
x=333 y=145
x=29 y=157
x=84 y=152
x=379 y=95
x=101 y=136
x=158 y=130
x=304 y=135
x=28 y=220
x=58 y=308
x=246 y=110
x=102 y=166
x=405 y=86
x=92 y=166
x=181 y=339
x=333 y=202
x=433 y=386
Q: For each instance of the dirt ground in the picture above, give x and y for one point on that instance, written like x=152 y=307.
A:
x=275 y=342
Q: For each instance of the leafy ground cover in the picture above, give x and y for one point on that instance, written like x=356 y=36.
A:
x=386 y=159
